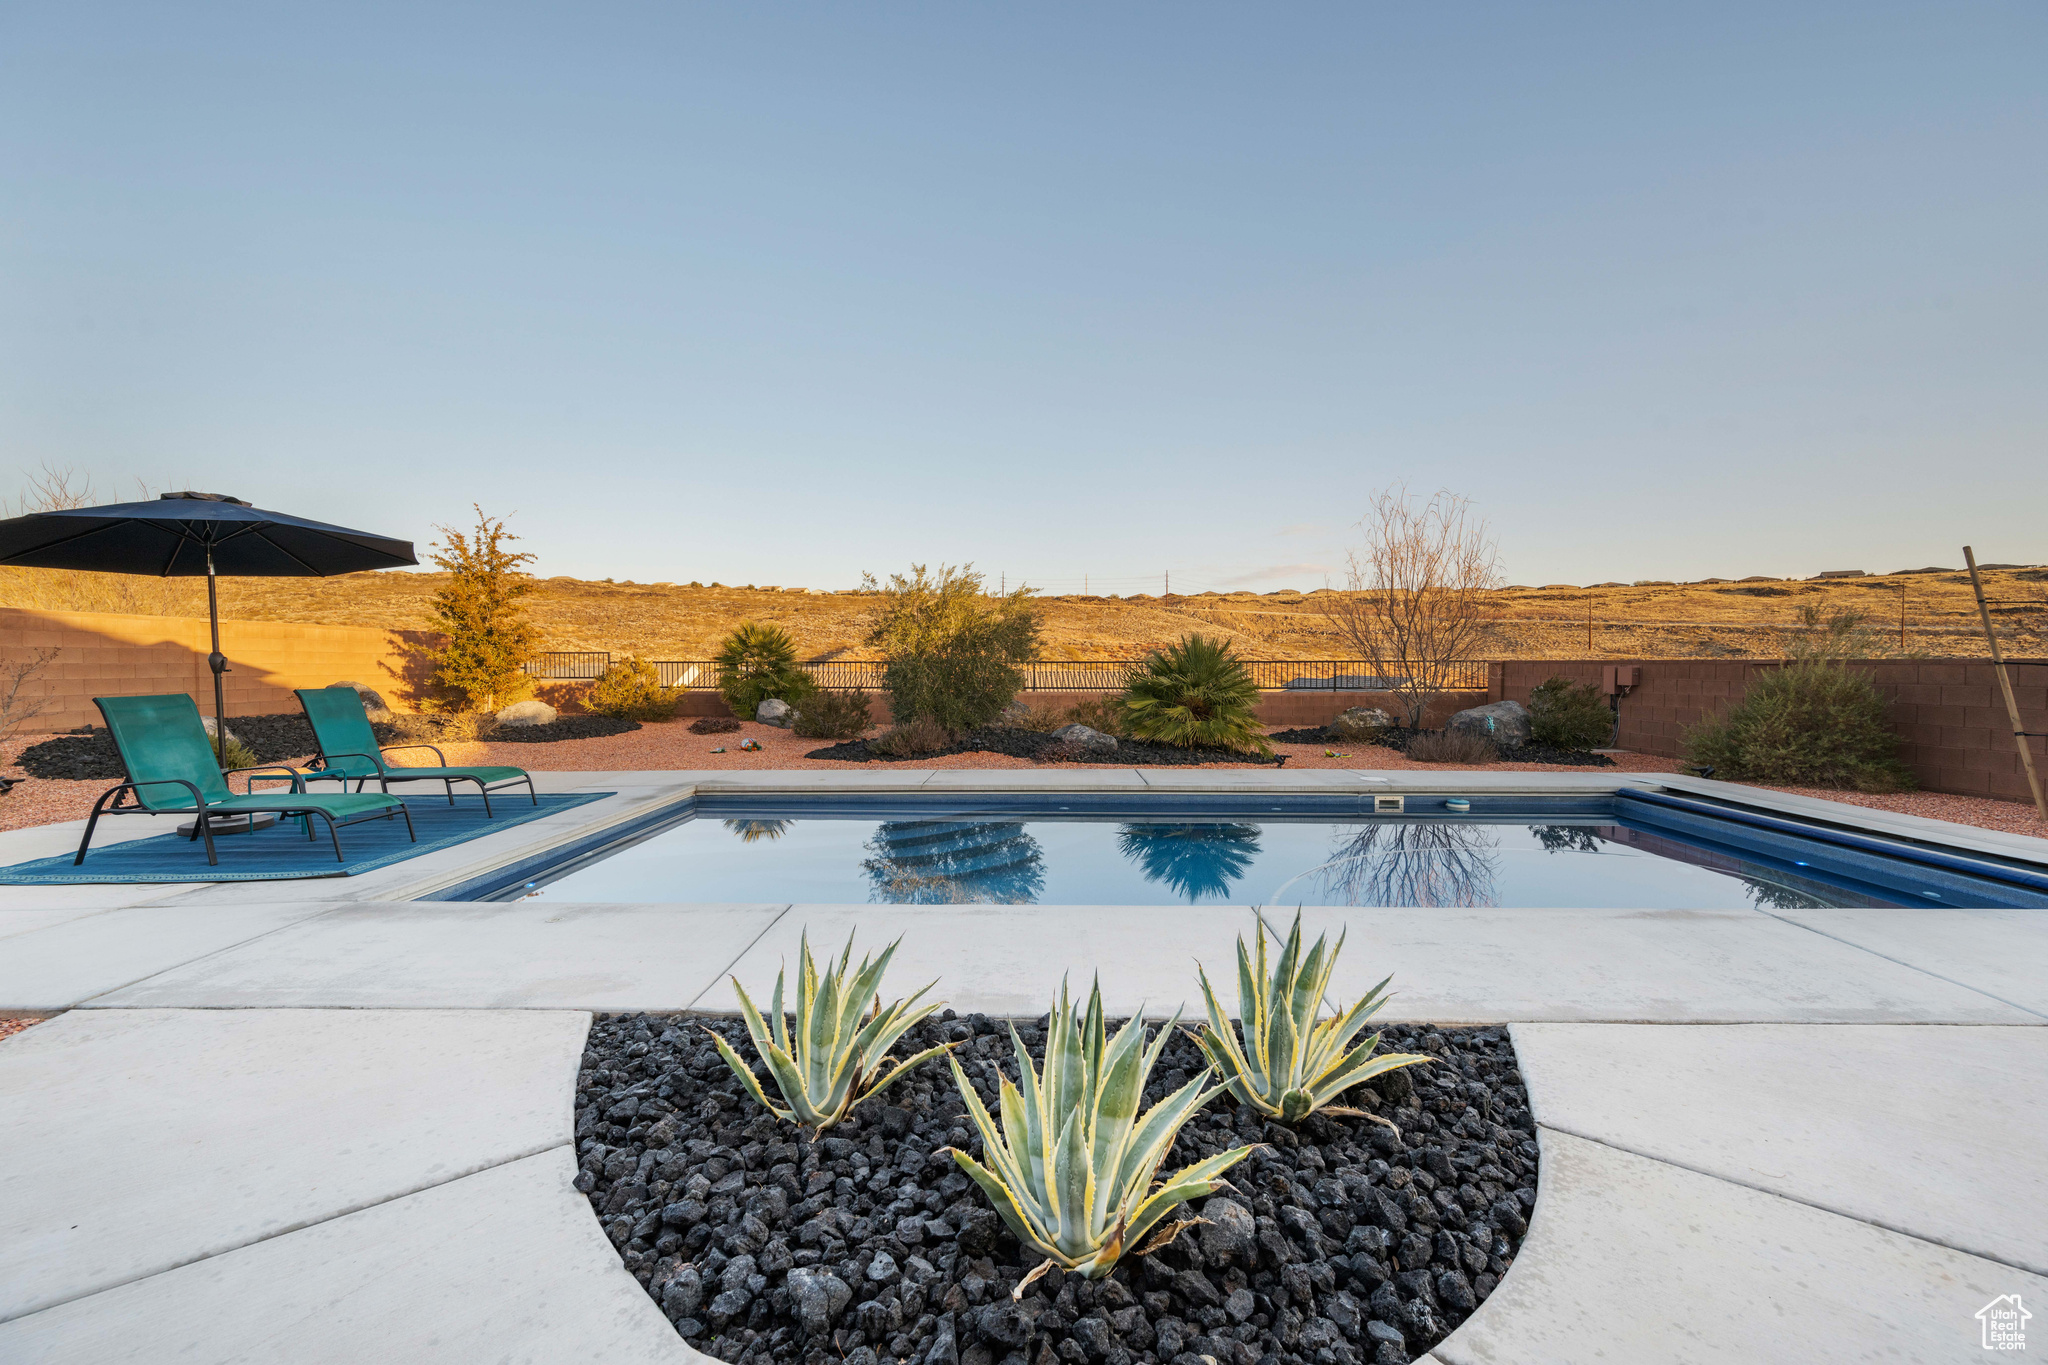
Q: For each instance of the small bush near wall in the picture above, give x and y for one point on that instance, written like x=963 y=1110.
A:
x=630 y=690
x=1816 y=723
x=1570 y=715
x=1105 y=714
x=953 y=652
x=833 y=715
x=1462 y=747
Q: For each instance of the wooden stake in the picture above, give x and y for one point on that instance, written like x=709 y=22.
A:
x=2012 y=706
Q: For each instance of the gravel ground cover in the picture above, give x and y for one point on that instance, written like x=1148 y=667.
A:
x=1342 y=1242
x=1399 y=740
x=1031 y=744
x=10 y=1027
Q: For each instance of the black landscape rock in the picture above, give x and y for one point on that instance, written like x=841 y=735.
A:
x=1341 y=1243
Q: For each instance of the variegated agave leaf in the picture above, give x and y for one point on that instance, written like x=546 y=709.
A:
x=1072 y=1165
x=837 y=1053
x=1286 y=1064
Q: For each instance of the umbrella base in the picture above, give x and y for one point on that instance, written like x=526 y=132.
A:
x=233 y=824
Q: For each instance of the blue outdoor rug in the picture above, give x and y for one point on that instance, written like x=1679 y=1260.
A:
x=281 y=852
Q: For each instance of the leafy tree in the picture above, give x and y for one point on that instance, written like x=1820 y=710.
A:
x=482 y=612
x=1197 y=694
x=756 y=662
x=953 y=651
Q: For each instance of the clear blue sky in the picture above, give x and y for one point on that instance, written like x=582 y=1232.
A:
x=778 y=293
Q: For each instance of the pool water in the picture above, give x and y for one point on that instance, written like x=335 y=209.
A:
x=961 y=857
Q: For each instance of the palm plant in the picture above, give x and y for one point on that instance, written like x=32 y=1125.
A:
x=1289 y=1066
x=835 y=1057
x=1071 y=1169
x=1194 y=693
x=757 y=662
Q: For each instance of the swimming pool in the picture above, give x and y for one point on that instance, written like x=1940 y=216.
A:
x=1631 y=849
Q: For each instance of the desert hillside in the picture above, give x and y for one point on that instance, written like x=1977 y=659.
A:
x=1710 y=619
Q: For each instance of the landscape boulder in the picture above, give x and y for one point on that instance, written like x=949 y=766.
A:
x=373 y=701
x=774 y=711
x=1503 y=722
x=208 y=722
x=524 y=713
x=1089 y=741
x=1360 y=722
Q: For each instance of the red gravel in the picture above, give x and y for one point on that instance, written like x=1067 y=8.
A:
x=10 y=1027
x=670 y=746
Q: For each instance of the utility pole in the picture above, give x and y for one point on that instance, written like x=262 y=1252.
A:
x=1589 y=623
x=1902 y=618
x=1169 y=584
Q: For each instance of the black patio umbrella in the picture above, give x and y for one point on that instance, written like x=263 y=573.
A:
x=184 y=535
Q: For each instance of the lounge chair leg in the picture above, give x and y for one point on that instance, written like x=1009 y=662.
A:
x=335 y=835
x=449 y=786
x=530 y=791
x=485 y=792
x=91 y=821
x=409 y=833
x=206 y=832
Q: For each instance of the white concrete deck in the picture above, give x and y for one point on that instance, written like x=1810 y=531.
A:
x=317 y=1121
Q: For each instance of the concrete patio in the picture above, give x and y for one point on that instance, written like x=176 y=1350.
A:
x=324 y=1121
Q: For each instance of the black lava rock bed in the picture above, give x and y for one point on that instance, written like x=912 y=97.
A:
x=1033 y=744
x=1399 y=740
x=1343 y=1243
x=282 y=739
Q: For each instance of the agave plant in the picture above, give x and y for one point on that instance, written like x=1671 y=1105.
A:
x=1288 y=1065
x=1071 y=1170
x=836 y=1055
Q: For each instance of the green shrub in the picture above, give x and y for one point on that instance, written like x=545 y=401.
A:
x=1569 y=715
x=757 y=662
x=952 y=651
x=1104 y=714
x=1195 y=693
x=1812 y=723
x=1039 y=720
x=480 y=609
x=630 y=690
x=1463 y=747
x=833 y=715
x=914 y=737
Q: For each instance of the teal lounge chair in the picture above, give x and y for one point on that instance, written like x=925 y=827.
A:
x=349 y=751
x=172 y=770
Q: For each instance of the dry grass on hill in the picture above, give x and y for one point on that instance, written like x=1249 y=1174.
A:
x=1649 y=620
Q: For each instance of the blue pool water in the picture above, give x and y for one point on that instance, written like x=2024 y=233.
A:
x=1583 y=853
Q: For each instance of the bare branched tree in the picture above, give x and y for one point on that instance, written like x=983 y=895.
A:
x=22 y=698
x=1414 y=591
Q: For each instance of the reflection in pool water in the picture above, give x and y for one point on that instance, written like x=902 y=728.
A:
x=983 y=858
x=1198 y=862
x=1433 y=864
x=953 y=862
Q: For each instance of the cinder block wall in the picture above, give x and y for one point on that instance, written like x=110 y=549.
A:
x=101 y=654
x=1949 y=716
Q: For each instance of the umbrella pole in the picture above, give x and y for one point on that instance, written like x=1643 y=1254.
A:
x=219 y=664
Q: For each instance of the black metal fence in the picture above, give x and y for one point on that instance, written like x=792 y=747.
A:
x=1045 y=675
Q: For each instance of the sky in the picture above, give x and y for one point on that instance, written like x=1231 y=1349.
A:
x=782 y=294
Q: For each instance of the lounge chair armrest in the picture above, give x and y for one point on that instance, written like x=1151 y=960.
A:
x=439 y=757
x=198 y=802
x=296 y=776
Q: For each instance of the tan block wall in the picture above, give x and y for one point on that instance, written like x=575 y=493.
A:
x=100 y=655
x=1948 y=713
